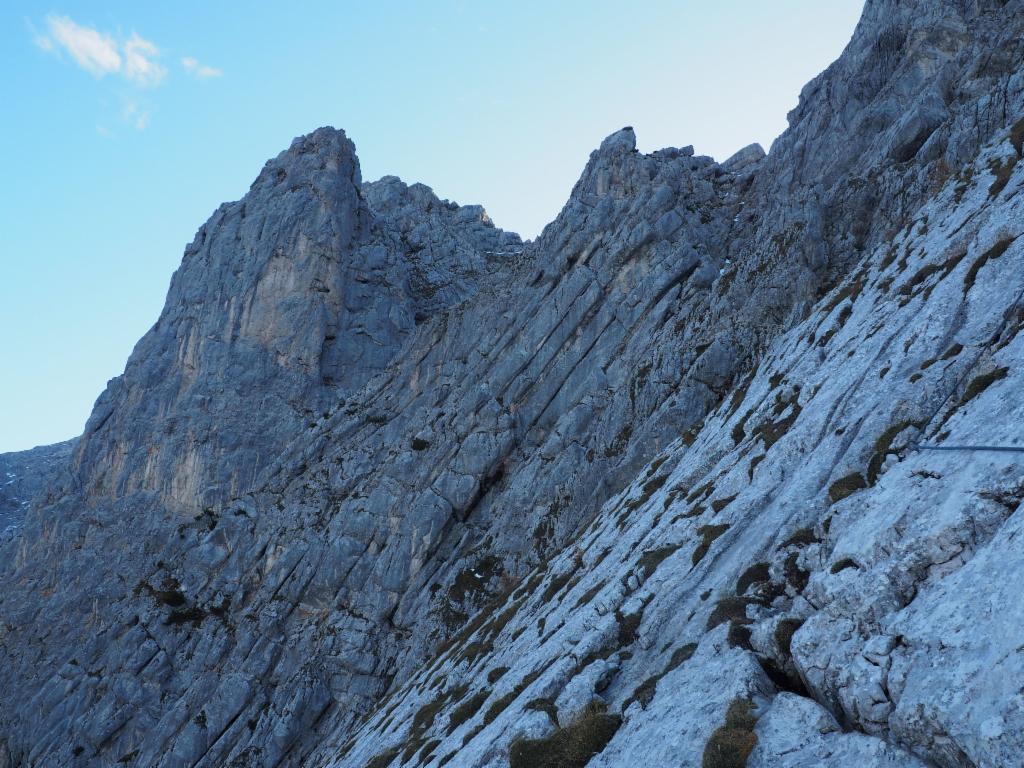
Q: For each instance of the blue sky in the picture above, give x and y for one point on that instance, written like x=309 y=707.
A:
x=126 y=124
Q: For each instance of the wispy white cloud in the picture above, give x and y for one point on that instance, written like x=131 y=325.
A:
x=135 y=59
x=192 y=66
x=93 y=51
x=140 y=62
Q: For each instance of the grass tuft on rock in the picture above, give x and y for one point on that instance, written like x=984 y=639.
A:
x=466 y=710
x=384 y=759
x=983 y=382
x=652 y=558
x=994 y=252
x=644 y=693
x=731 y=609
x=569 y=747
x=842 y=565
x=784 y=632
x=731 y=744
x=802 y=537
x=1017 y=137
x=708 y=535
x=758 y=573
x=883 y=445
x=496 y=674
x=846 y=486
x=796 y=576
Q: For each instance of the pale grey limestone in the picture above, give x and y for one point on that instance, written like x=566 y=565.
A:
x=386 y=484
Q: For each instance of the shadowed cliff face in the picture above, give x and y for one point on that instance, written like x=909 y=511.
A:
x=385 y=486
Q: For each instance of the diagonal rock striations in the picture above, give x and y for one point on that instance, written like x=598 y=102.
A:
x=386 y=486
x=285 y=300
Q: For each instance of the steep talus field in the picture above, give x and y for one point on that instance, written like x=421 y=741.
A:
x=386 y=486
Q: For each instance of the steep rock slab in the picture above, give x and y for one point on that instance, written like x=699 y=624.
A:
x=470 y=480
x=758 y=577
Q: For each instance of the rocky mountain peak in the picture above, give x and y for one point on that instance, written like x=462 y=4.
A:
x=325 y=149
x=684 y=480
x=621 y=142
x=285 y=300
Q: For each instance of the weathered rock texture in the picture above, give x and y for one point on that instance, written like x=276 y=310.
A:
x=285 y=301
x=26 y=477
x=385 y=486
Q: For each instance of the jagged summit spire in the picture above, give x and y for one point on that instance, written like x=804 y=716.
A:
x=623 y=140
x=326 y=149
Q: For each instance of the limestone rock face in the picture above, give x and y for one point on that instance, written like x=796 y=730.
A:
x=385 y=486
x=285 y=301
x=449 y=250
x=26 y=477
